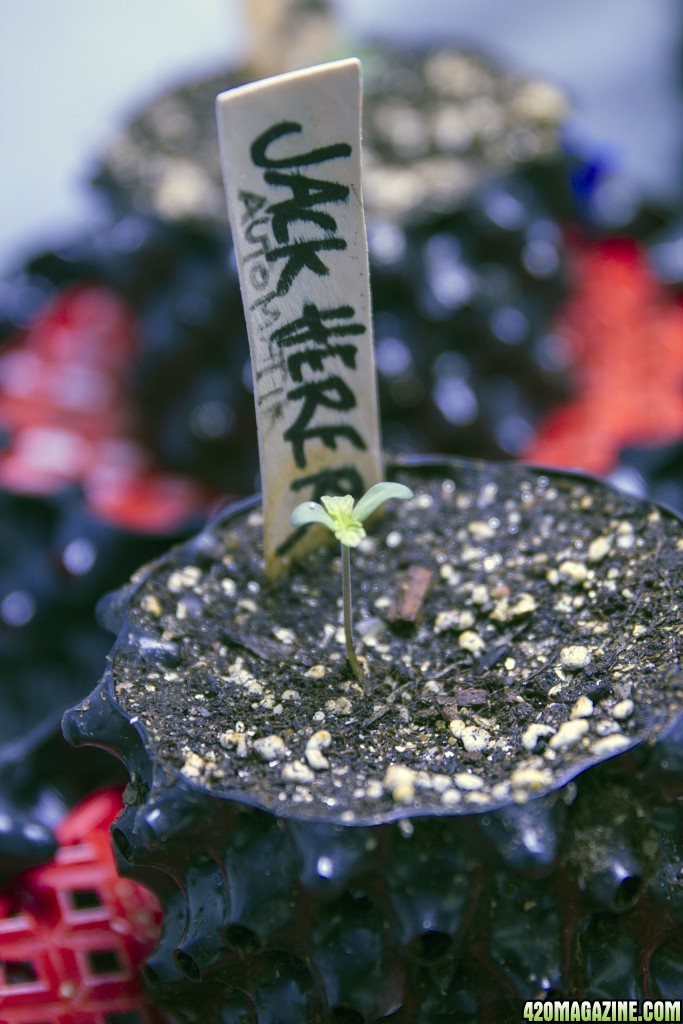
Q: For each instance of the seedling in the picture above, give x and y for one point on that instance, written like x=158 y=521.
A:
x=345 y=519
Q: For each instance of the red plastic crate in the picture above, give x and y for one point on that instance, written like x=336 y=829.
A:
x=73 y=933
x=65 y=402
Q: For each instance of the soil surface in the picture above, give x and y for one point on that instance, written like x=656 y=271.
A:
x=516 y=626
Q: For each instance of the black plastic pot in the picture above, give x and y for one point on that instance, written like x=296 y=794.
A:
x=419 y=914
x=58 y=558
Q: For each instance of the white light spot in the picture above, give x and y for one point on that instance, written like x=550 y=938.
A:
x=393 y=357
x=325 y=867
x=17 y=608
x=386 y=242
x=456 y=401
x=79 y=556
x=509 y=325
x=628 y=480
x=212 y=419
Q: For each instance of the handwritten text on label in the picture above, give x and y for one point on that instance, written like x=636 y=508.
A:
x=306 y=295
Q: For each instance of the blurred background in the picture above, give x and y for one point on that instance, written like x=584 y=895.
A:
x=524 y=199
x=72 y=74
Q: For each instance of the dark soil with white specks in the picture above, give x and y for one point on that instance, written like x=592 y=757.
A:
x=549 y=638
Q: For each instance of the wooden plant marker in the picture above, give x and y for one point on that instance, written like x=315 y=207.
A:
x=285 y=34
x=290 y=150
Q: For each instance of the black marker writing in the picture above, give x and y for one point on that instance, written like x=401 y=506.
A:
x=313 y=330
x=291 y=158
x=307 y=193
x=292 y=240
x=260 y=146
x=330 y=393
x=302 y=254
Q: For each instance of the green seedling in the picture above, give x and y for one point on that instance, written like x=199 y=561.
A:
x=345 y=518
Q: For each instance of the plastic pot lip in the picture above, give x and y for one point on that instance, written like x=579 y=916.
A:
x=163 y=786
x=416 y=463
x=47 y=725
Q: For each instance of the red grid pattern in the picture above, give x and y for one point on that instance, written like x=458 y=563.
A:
x=72 y=933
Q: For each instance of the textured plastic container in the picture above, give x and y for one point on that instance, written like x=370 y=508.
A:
x=418 y=918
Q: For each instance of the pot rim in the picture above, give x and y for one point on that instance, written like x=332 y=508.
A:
x=166 y=780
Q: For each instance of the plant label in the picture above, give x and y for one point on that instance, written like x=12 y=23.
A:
x=290 y=150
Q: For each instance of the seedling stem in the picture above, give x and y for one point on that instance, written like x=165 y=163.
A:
x=348 y=623
x=345 y=519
